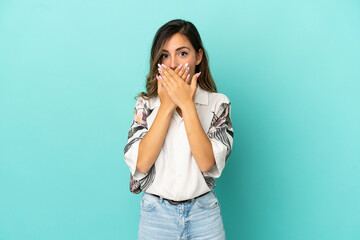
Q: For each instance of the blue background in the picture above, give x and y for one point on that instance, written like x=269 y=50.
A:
x=69 y=71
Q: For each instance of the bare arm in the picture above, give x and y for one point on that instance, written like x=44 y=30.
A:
x=200 y=145
x=151 y=144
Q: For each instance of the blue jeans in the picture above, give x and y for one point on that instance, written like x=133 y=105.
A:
x=197 y=219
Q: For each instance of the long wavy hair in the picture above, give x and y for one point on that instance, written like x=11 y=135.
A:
x=187 y=29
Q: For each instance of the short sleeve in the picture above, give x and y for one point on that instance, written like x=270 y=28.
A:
x=138 y=129
x=221 y=135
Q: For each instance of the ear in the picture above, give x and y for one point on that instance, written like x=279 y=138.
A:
x=199 y=56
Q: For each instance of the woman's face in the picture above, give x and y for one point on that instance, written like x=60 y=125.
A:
x=178 y=50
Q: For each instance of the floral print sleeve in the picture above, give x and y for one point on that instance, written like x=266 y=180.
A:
x=138 y=129
x=221 y=135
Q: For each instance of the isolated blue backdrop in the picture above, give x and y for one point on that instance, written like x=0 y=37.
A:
x=69 y=71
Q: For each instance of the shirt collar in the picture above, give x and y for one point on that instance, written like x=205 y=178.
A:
x=201 y=97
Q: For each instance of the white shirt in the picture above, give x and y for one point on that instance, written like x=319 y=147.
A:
x=175 y=174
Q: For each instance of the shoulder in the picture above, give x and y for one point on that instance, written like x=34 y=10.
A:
x=147 y=103
x=218 y=101
x=142 y=103
x=143 y=108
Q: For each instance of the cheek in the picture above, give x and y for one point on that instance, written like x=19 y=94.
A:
x=192 y=62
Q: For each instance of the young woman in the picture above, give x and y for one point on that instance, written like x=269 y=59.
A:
x=175 y=156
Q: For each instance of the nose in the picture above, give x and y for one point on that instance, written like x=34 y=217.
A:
x=173 y=64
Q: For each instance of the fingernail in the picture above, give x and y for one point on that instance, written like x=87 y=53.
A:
x=160 y=77
x=159 y=65
x=198 y=74
x=188 y=75
x=186 y=64
x=180 y=66
x=163 y=65
x=159 y=70
x=187 y=69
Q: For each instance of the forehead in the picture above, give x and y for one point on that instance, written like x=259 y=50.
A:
x=175 y=41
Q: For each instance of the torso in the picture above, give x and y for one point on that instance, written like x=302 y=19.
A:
x=186 y=181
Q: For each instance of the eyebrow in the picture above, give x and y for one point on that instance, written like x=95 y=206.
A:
x=176 y=49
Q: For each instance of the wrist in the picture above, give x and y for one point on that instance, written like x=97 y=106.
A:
x=189 y=106
x=168 y=110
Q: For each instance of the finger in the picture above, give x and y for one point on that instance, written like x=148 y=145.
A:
x=182 y=73
x=194 y=80
x=159 y=84
x=172 y=76
x=178 y=68
x=187 y=79
x=162 y=71
x=169 y=74
x=181 y=70
x=166 y=86
x=185 y=71
x=167 y=83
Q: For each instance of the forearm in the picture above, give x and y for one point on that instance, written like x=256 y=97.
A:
x=200 y=144
x=151 y=144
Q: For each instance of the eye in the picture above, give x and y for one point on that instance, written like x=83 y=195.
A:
x=181 y=53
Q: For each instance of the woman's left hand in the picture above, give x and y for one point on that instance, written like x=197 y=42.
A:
x=180 y=91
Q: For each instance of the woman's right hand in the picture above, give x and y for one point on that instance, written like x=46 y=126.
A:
x=161 y=90
x=165 y=99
